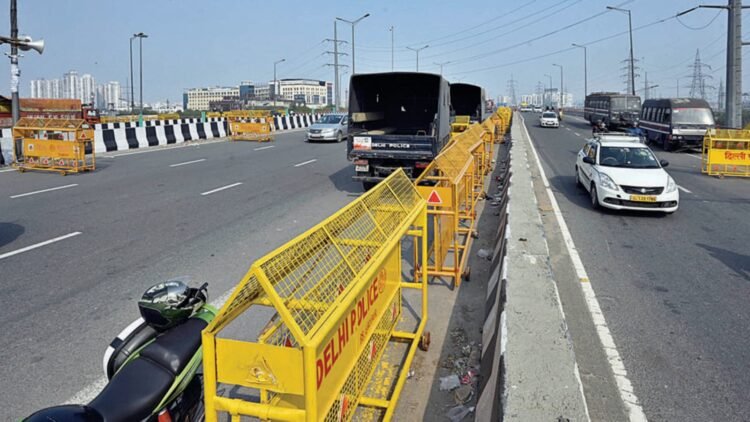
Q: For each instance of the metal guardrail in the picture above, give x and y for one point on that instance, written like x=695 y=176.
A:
x=336 y=291
x=726 y=152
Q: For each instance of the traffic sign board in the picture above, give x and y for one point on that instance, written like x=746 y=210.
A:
x=434 y=198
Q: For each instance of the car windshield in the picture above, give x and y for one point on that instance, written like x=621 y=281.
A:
x=628 y=157
x=696 y=116
x=549 y=115
x=330 y=118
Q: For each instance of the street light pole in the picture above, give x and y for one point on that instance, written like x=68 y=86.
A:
x=140 y=37
x=274 y=80
x=132 y=83
x=585 y=70
x=562 y=98
x=417 y=50
x=353 y=23
x=632 y=63
x=391 y=48
x=441 y=66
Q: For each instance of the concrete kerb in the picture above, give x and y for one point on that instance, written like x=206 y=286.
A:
x=541 y=377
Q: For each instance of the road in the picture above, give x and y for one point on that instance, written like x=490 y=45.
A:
x=75 y=259
x=674 y=289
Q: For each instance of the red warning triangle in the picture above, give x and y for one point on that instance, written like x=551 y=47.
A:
x=434 y=198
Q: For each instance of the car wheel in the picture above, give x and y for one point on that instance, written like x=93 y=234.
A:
x=339 y=138
x=594 y=198
x=578 y=179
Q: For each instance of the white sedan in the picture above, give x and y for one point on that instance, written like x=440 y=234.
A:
x=549 y=119
x=621 y=173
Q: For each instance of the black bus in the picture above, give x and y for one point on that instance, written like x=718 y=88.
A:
x=676 y=122
x=614 y=109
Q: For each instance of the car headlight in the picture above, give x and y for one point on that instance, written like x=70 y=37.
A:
x=671 y=185
x=607 y=182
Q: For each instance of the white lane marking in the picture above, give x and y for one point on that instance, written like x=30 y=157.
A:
x=88 y=393
x=38 y=245
x=262 y=148
x=695 y=156
x=577 y=134
x=627 y=394
x=7 y=170
x=567 y=128
x=42 y=191
x=306 y=162
x=683 y=189
x=221 y=188
x=187 y=162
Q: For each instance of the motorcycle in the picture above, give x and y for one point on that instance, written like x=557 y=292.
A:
x=153 y=365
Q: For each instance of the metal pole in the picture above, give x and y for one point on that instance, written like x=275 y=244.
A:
x=417 y=60
x=585 y=73
x=391 y=48
x=632 y=63
x=336 y=64
x=140 y=76
x=274 y=85
x=734 y=65
x=15 y=73
x=132 y=83
x=353 y=71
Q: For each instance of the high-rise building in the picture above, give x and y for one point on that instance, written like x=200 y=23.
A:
x=112 y=92
x=71 y=85
x=54 y=88
x=88 y=89
x=38 y=88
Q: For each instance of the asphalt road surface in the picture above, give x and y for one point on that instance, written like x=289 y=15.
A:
x=674 y=289
x=75 y=259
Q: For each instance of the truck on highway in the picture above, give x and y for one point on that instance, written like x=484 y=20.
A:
x=396 y=120
x=676 y=122
x=615 y=110
x=468 y=100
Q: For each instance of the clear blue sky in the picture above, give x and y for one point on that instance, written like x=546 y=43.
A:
x=221 y=42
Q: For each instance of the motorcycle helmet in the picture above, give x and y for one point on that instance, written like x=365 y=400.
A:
x=170 y=303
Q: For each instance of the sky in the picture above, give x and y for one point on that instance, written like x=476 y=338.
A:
x=222 y=42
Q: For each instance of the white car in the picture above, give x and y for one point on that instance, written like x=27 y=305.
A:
x=538 y=109
x=621 y=173
x=549 y=119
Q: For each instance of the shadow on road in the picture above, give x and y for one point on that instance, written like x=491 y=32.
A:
x=342 y=180
x=10 y=232
x=736 y=262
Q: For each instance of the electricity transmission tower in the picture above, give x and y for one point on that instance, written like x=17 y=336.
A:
x=698 y=86
x=627 y=69
x=512 y=90
x=721 y=99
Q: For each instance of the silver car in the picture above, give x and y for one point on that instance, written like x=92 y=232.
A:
x=331 y=127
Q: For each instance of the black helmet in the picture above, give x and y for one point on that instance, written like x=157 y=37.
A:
x=170 y=303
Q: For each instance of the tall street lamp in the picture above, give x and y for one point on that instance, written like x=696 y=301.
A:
x=441 y=66
x=132 y=83
x=140 y=37
x=353 y=23
x=391 y=47
x=632 y=63
x=585 y=70
x=562 y=98
x=417 y=50
x=274 y=80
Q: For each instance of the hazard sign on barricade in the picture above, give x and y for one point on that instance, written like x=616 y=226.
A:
x=336 y=295
x=60 y=145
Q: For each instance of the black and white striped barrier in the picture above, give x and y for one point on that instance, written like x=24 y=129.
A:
x=294 y=122
x=492 y=369
x=147 y=123
x=107 y=140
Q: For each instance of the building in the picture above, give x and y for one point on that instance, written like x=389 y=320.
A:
x=88 y=89
x=200 y=98
x=314 y=92
x=247 y=90
x=262 y=92
x=71 y=85
x=329 y=92
x=43 y=88
x=112 y=97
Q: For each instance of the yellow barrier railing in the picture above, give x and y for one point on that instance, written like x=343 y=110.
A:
x=58 y=145
x=726 y=152
x=336 y=293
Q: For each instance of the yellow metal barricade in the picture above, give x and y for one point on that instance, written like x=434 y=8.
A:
x=251 y=131
x=336 y=293
x=460 y=124
x=213 y=114
x=168 y=116
x=452 y=185
x=58 y=145
x=726 y=152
